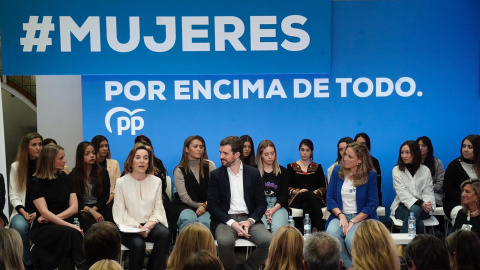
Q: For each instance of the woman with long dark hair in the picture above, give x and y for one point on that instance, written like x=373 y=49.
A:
x=104 y=159
x=54 y=236
x=191 y=178
x=92 y=185
x=138 y=204
x=465 y=167
x=308 y=185
x=248 y=154
x=413 y=184
x=435 y=165
x=21 y=172
x=276 y=182
x=364 y=139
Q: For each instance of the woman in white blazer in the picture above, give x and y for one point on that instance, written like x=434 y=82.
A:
x=413 y=184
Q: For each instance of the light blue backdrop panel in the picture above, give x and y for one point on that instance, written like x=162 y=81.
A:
x=435 y=43
x=260 y=25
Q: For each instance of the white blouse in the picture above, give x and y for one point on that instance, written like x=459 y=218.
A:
x=138 y=202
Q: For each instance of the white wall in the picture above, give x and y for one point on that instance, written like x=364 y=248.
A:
x=59 y=112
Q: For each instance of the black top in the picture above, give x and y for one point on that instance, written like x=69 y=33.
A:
x=195 y=189
x=2 y=199
x=454 y=176
x=462 y=219
x=314 y=178
x=376 y=165
x=102 y=200
x=56 y=193
x=277 y=186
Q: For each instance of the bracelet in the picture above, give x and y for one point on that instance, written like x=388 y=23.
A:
x=351 y=220
x=339 y=214
x=90 y=210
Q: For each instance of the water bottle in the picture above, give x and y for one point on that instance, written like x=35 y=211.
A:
x=412 y=230
x=307 y=226
x=291 y=222
x=76 y=222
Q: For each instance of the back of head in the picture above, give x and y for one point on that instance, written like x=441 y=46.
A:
x=464 y=250
x=285 y=250
x=322 y=252
x=193 y=238
x=101 y=241
x=373 y=247
x=11 y=249
x=106 y=265
x=426 y=252
x=202 y=260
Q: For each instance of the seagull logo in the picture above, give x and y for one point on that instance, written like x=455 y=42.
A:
x=115 y=110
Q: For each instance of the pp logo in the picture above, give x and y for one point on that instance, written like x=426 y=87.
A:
x=124 y=123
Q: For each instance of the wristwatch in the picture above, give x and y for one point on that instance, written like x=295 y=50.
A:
x=251 y=221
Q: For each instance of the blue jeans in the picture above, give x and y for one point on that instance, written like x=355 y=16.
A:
x=279 y=218
x=403 y=213
x=188 y=216
x=19 y=223
x=335 y=230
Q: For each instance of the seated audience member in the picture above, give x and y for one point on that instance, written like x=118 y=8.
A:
x=465 y=167
x=463 y=250
x=469 y=217
x=351 y=197
x=435 y=165
x=191 y=178
x=54 y=236
x=413 y=185
x=106 y=265
x=248 y=153
x=286 y=249
x=51 y=141
x=322 y=252
x=341 y=145
x=104 y=159
x=276 y=182
x=236 y=209
x=101 y=242
x=373 y=247
x=193 y=238
x=21 y=173
x=426 y=252
x=3 y=218
x=138 y=204
x=308 y=185
x=11 y=250
x=363 y=139
x=92 y=186
x=203 y=260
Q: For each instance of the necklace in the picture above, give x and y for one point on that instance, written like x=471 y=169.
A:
x=471 y=213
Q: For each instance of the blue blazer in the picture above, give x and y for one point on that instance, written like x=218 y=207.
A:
x=219 y=195
x=366 y=195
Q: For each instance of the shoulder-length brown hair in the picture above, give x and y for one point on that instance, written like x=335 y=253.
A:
x=46 y=162
x=184 y=160
x=22 y=159
x=193 y=238
x=127 y=166
x=373 y=247
x=286 y=249
x=366 y=166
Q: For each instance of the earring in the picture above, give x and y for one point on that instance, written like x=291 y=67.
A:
x=359 y=164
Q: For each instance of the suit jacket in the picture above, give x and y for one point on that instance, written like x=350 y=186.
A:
x=219 y=195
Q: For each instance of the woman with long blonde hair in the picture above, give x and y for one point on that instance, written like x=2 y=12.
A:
x=21 y=173
x=193 y=238
x=11 y=249
x=352 y=197
x=373 y=247
x=286 y=250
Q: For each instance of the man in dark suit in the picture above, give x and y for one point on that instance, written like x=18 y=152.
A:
x=236 y=202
